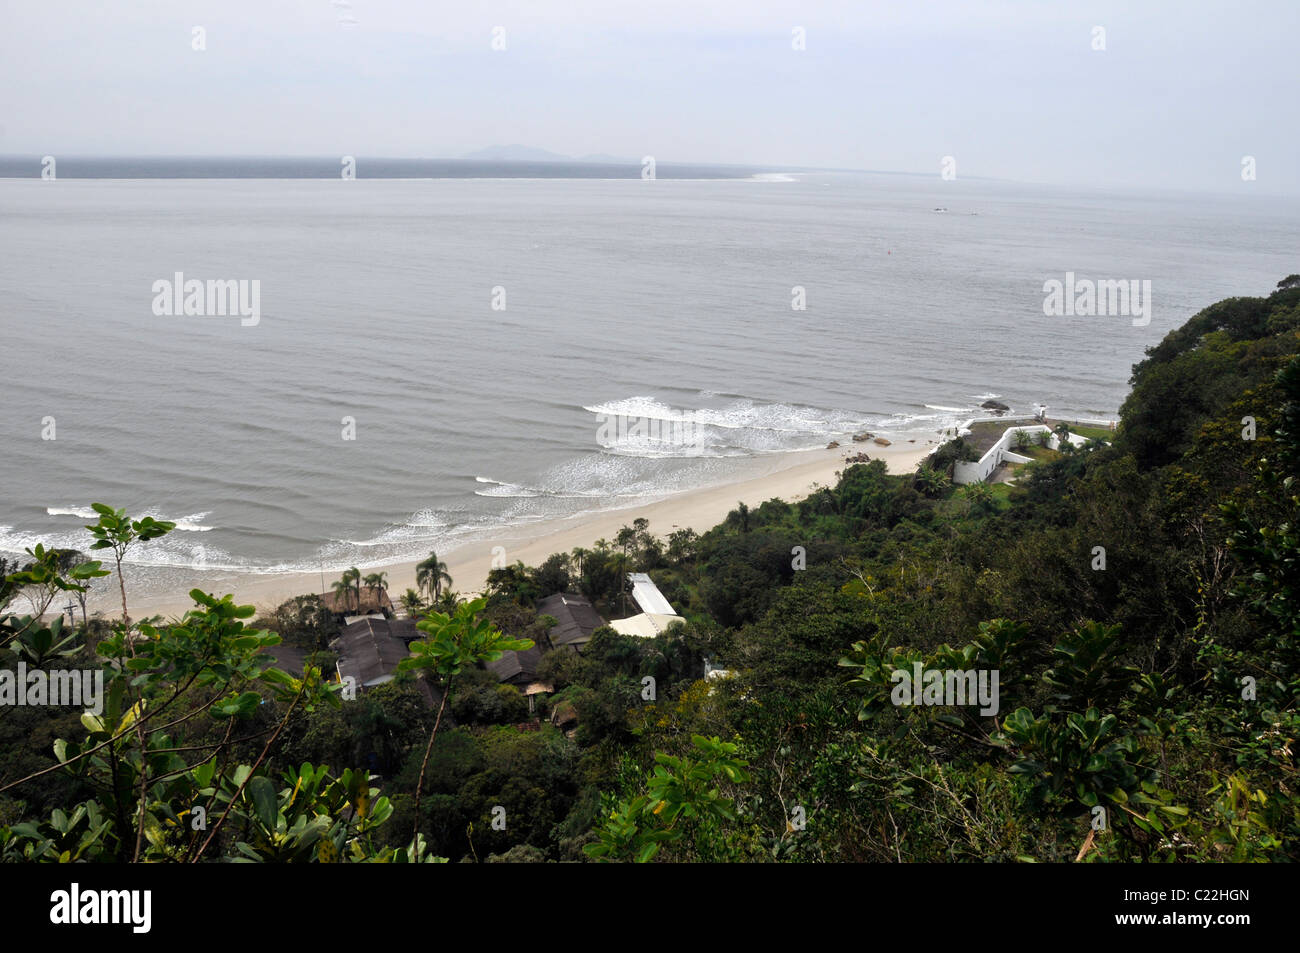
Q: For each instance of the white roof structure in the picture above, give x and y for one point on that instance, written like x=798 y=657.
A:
x=646 y=625
x=656 y=612
x=713 y=672
x=648 y=596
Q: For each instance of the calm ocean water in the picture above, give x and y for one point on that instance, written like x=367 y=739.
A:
x=647 y=298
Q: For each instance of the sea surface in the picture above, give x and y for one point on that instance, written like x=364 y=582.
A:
x=663 y=300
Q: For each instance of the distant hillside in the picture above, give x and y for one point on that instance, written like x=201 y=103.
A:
x=517 y=153
x=521 y=153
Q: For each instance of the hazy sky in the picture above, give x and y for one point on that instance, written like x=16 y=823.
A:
x=1015 y=90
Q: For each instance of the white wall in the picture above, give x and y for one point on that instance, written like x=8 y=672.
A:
x=1001 y=451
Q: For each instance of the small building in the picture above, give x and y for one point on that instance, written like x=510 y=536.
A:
x=1001 y=452
x=656 y=613
x=517 y=668
x=646 y=625
x=520 y=670
x=714 y=672
x=369 y=651
x=647 y=594
x=576 y=619
x=405 y=630
x=565 y=717
x=373 y=601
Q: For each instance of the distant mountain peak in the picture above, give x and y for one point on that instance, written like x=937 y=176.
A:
x=517 y=152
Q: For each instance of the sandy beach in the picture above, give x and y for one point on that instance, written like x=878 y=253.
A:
x=469 y=563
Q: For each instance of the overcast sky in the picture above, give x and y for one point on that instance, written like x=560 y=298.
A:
x=1182 y=92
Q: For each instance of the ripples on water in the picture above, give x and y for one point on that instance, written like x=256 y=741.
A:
x=650 y=299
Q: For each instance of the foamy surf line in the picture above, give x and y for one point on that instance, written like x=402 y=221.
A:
x=504 y=489
x=649 y=428
x=763 y=440
x=188 y=524
x=471 y=558
x=815 y=428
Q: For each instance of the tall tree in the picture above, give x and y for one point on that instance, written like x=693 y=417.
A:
x=378 y=581
x=353 y=576
x=431 y=575
x=453 y=642
x=342 y=593
x=411 y=602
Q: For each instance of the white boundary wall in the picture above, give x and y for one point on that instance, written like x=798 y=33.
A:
x=1001 y=452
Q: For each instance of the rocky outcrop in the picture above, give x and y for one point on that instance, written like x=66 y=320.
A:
x=881 y=441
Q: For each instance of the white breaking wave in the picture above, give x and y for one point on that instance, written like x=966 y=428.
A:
x=640 y=463
x=505 y=490
x=739 y=415
x=189 y=524
x=648 y=428
x=745 y=427
x=659 y=450
x=163 y=552
x=82 y=512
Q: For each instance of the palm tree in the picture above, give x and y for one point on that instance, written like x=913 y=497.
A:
x=1062 y=431
x=579 y=554
x=353 y=578
x=448 y=602
x=411 y=602
x=431 y=574
x=342 y=593
x=624 y=539
x=377 y=581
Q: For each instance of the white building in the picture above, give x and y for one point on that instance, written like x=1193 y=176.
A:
x=1001 y=452
x=656 y=612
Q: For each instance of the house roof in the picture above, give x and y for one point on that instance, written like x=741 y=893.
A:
x=564 y=714
x=370 y=602
x=575 y=617
x=521 y=665
x=369 y=652
x=646 y=625
x=405 y=630
x=648 y=596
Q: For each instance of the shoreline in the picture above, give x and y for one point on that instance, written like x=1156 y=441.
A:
x=469 y=563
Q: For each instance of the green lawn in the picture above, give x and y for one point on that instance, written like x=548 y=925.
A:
x=1038 y=453
x=956 y=506
x=1093 y=433
x=1002 y=493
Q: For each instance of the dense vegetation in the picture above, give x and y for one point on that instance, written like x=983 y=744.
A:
x=1139 y=601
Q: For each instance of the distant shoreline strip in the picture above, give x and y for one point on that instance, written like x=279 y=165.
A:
x=331 y=167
